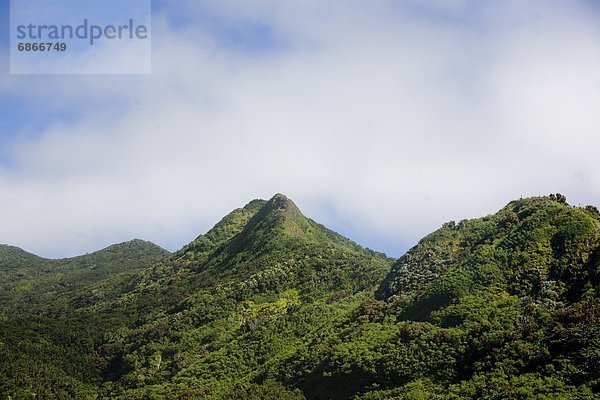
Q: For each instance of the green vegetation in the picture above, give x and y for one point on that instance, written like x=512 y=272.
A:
x=271 y=305
x=31 y=283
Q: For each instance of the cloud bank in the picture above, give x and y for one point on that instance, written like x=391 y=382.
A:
x=381 y=120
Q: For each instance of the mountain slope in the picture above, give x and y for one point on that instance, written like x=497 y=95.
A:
x=538 y=247
x=506 y=306
x=12 y=258
x=204 y=309
x=32 y=283
x=261 y=267
x=271 y=305
x=267 y=246
x=500 y=307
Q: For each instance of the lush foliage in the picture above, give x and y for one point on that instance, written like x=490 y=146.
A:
x=30 y=283
x=271 y=305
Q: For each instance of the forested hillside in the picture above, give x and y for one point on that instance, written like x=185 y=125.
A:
x=271 y=305
x=31 y=283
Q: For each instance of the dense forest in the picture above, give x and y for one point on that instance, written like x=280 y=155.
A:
x=272 y=305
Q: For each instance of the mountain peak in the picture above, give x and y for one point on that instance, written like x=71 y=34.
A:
x=282 y=204
x=282 y=200
x=134 y=246
x=14 y=257
x=538 y=247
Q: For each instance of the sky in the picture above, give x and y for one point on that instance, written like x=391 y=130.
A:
x=381 y=119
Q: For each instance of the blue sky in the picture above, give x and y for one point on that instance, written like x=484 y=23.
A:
x=381 y=119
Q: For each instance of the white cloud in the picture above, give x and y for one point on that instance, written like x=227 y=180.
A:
x=379 y=120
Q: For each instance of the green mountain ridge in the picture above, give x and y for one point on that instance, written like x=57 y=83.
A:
x=15 y=257
x=266 y=243
x=37 y=281
x=269 y=304
x=532 y=247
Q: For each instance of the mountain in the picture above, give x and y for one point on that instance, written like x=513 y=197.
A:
x=266 y=246
x=538 y=248
x=259 y=266
x=31 y=282
x=13 y=258
x=504 y=306
x=256 y=266
x=274 y=234
x=271 y=305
